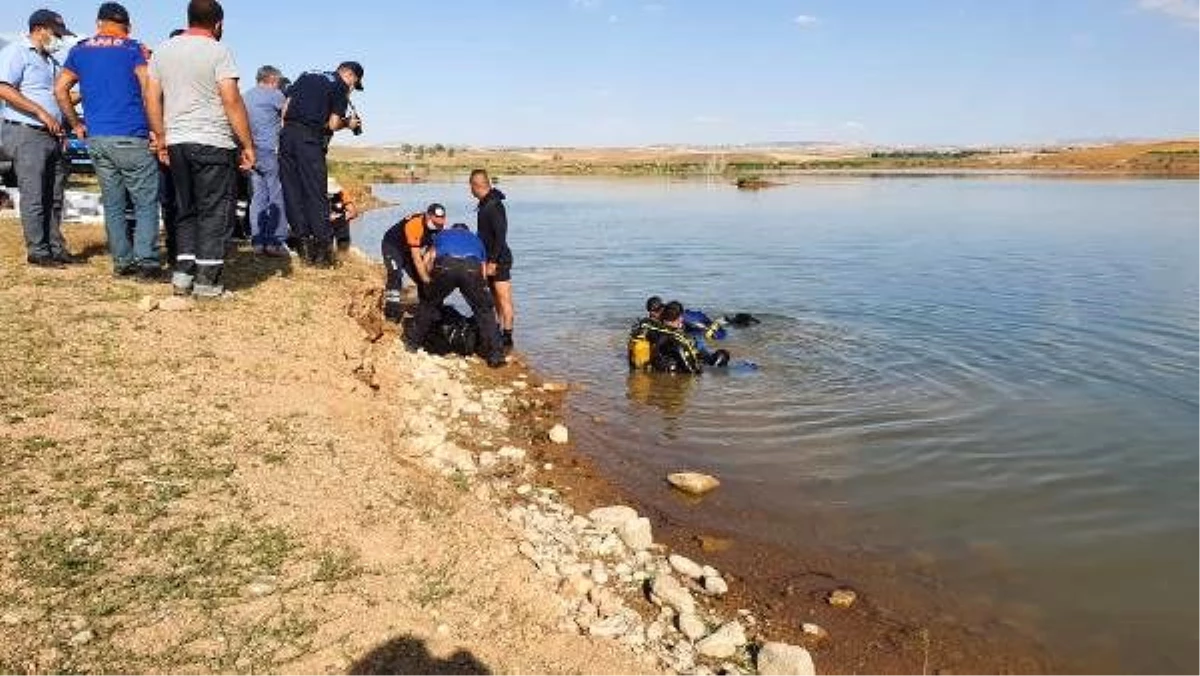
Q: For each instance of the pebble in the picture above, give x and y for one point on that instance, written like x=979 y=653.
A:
x=693 y=483
x=599 y=573
x=260 y=588
x=724 y=642
x=176 y=304
x=472 y=408
x=666 y=591
x=814 y=630
x=842 y=597
x=548 y=466
x=443 y=629
x=636 y=534
x=559 y=435
x=512 y=454
x=488 y=460
x=575 y=586
x=10 y=619
x=611 y=627
x=685 y=566
x=778 y=659
x=554 y=387
x=692 y=627
x=83 y=638
x=611 y=518
x=148 y=304
x=715 y=586
x=524 y=489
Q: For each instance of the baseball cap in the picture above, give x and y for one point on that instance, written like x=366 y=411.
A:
x=113 y=11
x=437 y=210
x=654 y=304
x=356 y=68
x=48 y=19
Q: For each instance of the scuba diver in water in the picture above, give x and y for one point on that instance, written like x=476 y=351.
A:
x=663 y=345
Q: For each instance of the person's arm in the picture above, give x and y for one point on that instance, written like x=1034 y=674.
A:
x=11 y=72
x=66 y=80
x=152 y=99
x=421 y=263
x=235 y=112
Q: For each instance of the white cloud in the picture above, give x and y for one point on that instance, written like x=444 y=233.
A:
x=1186 y=11
x=587 y=4
x=805 y=20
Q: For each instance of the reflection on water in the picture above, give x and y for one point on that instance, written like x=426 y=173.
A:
x=993 y=380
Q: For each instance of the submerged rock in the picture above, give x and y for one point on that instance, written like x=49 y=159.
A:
x=693 y=483
x=843 y=597
x=778 y=659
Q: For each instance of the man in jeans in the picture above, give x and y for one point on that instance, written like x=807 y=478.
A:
x=264 y=104
x=193 y=85
x=111 y=71
x=32 y=136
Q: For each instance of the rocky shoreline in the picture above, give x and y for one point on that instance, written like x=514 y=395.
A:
x=612 y=580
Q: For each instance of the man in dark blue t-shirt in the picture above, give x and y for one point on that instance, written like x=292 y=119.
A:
x=316 y=107
x=110 y=68
x=459 y=261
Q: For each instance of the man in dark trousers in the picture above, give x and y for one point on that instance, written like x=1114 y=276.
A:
x=492 y=226
x=33 y=135
x=197 y=114
x=458 y=263
x=315 y=108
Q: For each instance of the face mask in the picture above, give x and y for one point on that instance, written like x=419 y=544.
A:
x=55 y=44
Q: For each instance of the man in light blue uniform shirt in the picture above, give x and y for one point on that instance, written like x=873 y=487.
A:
x=32 y=135
x=264 y=104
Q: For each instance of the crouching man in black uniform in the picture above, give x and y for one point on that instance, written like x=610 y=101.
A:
x=458 y=263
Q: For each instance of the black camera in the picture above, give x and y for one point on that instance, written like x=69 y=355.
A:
x=357 y=131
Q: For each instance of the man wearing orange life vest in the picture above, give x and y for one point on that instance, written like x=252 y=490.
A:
x=405 y=248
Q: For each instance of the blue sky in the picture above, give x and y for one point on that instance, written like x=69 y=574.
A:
x=633 y=72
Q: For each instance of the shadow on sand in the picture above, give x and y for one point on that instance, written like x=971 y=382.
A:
x=408 y=655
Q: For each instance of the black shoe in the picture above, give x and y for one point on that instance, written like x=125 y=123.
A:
x=44 y=261
x=66 y=258
x=128 y=270
x=150 y=273
x=506 y=340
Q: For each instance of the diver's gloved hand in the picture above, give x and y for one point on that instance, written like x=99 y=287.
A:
x=392 y=309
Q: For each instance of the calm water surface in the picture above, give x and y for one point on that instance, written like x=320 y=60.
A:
x=990 y=381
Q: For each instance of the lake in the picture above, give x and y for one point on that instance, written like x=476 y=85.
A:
x=990 y=381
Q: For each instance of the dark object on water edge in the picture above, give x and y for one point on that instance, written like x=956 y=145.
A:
x=453 y=333
x=742 y=319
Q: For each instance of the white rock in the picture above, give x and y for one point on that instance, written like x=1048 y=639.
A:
x=455 y=456
x=709 y=571
x=724 y=642
x=636 y=534
x=529 y=551
x=524 y=489
x=148 y=304
x=685 y=566
x=176 y=304
x=559 y=434
x=512 y=454
x=488 y=460
x=693 y=483
x=472 y=408
x=554 y=387
x=655 y=631
x=715 y=586
x=611 y=627
x=599 y=573
x=575 y=586
x=778 y=659
x=692 y=627
x=611 y=518
x=814 y=630
x=83 y=638
x=666 y=591
x=260 y=588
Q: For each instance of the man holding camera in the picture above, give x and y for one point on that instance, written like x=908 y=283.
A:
x=316 y=107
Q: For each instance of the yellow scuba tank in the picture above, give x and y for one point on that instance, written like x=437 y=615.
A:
x=639 y=351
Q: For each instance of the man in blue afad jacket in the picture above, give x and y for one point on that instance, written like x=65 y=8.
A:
x=459 y=260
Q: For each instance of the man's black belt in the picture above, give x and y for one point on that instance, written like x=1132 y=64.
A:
x=26 y=124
